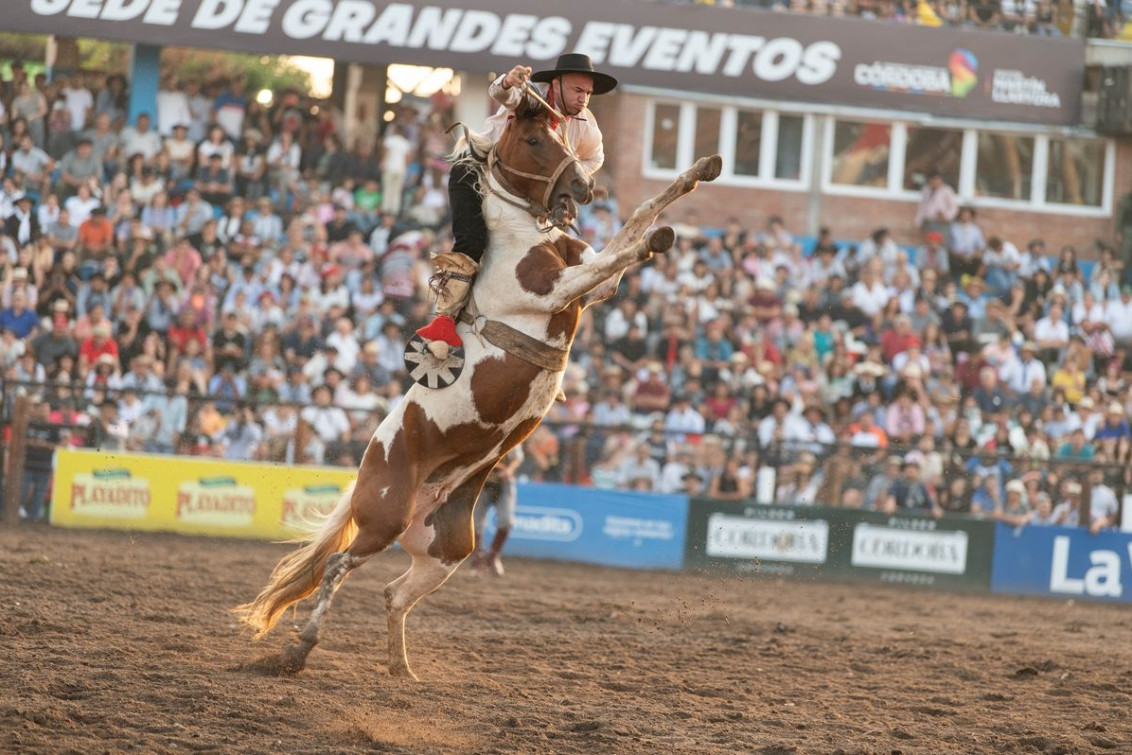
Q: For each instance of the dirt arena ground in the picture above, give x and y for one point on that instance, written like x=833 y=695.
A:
x=119 y=642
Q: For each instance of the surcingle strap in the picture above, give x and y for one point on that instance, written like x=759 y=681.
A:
x=531 y=350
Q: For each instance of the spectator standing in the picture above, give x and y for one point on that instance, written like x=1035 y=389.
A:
x=79 y=102
x=938 y=206
x=284 y=158
x=42 y=438
x=111 y=100
x=396 y=151
x=200 y=110
x=30 y=105
x=501 y=492
x=172 y=106
x=230 y=107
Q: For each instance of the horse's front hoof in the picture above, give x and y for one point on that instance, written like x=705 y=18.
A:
x=293 y=658
x=709 y=168
x=661 y=240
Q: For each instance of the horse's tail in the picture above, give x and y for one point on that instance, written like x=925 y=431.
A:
x=298 y=574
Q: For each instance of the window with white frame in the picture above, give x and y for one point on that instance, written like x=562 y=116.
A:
x=1005 y=166
x=886 y=159
x=1075 y=172
x=757 y=146
x=708 y=120
x=928 y=149
x=1025 y=170
x=665 y=136
x=860 y=154
x=748 y=143
x=791 y=141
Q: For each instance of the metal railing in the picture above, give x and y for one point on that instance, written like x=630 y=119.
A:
x=579 y=453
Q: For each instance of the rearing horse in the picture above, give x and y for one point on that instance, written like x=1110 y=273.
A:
x=428 y=460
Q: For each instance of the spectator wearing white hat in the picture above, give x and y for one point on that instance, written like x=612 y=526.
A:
x=1015 y=510
x=1115 y=425
x=1084 y=417
x=1030 y=370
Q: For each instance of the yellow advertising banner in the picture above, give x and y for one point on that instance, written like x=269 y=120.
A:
x=191 y=495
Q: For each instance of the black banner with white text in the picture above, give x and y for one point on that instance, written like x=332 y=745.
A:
x=738 y=52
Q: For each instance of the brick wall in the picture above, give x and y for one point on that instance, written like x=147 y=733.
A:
x=622 y=118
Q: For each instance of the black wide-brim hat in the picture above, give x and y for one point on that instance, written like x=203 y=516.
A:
x=576 y=62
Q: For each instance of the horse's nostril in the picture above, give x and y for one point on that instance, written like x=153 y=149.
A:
x=582 y=189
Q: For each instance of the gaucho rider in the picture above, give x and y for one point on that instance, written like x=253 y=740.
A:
x=567 y=88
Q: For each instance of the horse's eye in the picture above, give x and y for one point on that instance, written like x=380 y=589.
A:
x=533 y=141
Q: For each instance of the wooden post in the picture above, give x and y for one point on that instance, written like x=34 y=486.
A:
x=303 y=433
x=17 y=449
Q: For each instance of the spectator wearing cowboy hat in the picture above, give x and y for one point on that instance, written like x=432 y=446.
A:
x=23 y=225
x=569 y=86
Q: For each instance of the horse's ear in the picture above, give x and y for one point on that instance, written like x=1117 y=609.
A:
x=529 y=109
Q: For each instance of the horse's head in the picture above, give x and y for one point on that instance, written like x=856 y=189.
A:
x=541 y=167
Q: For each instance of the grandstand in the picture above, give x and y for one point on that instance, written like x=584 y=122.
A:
x=920 y=205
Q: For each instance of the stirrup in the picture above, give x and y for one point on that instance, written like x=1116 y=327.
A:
x=426 y=370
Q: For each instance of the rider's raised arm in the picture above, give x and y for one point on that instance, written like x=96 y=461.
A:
x=507 y=90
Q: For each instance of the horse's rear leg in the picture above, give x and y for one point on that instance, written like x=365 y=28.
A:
x=339 y=565
x=438 y=542
x=381 y=520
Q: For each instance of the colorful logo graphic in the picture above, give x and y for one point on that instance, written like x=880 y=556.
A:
x=964 y=67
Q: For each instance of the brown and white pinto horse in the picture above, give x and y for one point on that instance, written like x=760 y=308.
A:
x=427 y=461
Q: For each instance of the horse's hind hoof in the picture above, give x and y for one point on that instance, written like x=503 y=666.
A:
x=293 y=658
x=661 y=240
x=709 y=168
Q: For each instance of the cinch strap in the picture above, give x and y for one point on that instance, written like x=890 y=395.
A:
x=519 y=344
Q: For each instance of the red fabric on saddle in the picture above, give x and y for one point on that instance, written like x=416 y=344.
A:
x=442 y=328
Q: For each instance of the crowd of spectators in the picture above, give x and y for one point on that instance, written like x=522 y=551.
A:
x=226 y=278
x=215 y=277
x=1051 y=18
x=963 y=376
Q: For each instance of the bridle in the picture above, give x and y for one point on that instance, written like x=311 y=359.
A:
x=545 y=218
x=540 y=211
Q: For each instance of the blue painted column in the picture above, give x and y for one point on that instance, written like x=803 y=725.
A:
x=145 y=77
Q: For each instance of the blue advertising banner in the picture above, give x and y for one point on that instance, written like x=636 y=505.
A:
x=1062 y=562
x=608 y=527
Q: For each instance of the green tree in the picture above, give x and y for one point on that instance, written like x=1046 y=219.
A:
x=274 y=72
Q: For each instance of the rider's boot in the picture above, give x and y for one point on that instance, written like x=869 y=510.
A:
x=452 y=282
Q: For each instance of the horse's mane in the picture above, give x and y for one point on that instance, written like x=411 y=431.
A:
x=479 y=144
x=468 y=147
